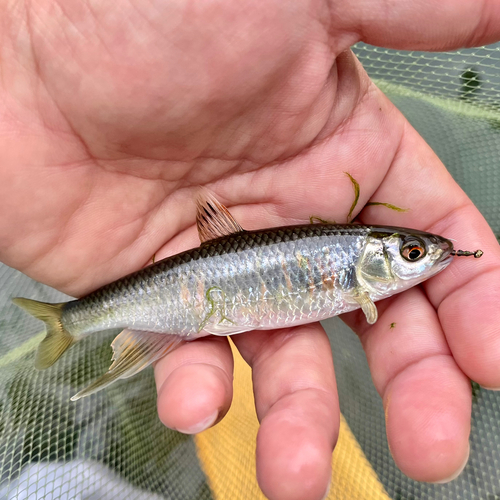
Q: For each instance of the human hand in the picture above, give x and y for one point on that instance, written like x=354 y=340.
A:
x=112 y=116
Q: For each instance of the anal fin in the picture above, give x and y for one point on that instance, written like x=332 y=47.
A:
x=133 y=351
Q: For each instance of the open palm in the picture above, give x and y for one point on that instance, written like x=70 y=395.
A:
x=112 y=116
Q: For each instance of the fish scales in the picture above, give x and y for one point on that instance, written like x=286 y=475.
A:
x=259 y=279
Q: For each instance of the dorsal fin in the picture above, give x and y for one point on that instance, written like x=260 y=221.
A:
x=213 y=218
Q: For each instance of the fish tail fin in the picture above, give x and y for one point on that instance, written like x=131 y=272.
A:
x=57 y=340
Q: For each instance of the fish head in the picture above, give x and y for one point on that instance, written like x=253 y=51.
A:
x=397 y=258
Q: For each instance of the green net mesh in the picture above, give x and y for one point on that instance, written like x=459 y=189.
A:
x=113 y=446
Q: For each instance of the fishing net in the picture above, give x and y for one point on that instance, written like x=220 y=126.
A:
x=112 y=444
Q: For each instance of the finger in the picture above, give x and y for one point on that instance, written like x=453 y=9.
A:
x=194 y=385
x=297 y=404
x=427 y=398
x=421 y=24
x=467 y=297
x=466 y=294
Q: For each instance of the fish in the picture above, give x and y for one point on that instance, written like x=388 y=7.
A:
x=237 y=281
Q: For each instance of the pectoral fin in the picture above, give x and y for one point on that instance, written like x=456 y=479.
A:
x=132 y=352
x=367 y=306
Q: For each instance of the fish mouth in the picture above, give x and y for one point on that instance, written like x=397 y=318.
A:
x=446 y=260
x=446 y=246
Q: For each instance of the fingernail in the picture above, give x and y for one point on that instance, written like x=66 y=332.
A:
x=201 y=426
x=490 y=388
x=325 y=496
x=457 y=473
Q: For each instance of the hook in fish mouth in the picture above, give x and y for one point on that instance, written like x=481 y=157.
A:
x=466 y=253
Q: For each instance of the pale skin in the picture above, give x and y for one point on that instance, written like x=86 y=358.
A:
x=111 y=116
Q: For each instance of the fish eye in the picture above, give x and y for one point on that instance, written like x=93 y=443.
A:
x=413 y=250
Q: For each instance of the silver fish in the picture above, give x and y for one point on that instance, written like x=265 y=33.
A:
x=238 y=281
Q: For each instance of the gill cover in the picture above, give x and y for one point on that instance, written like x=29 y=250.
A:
x=374 y=263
